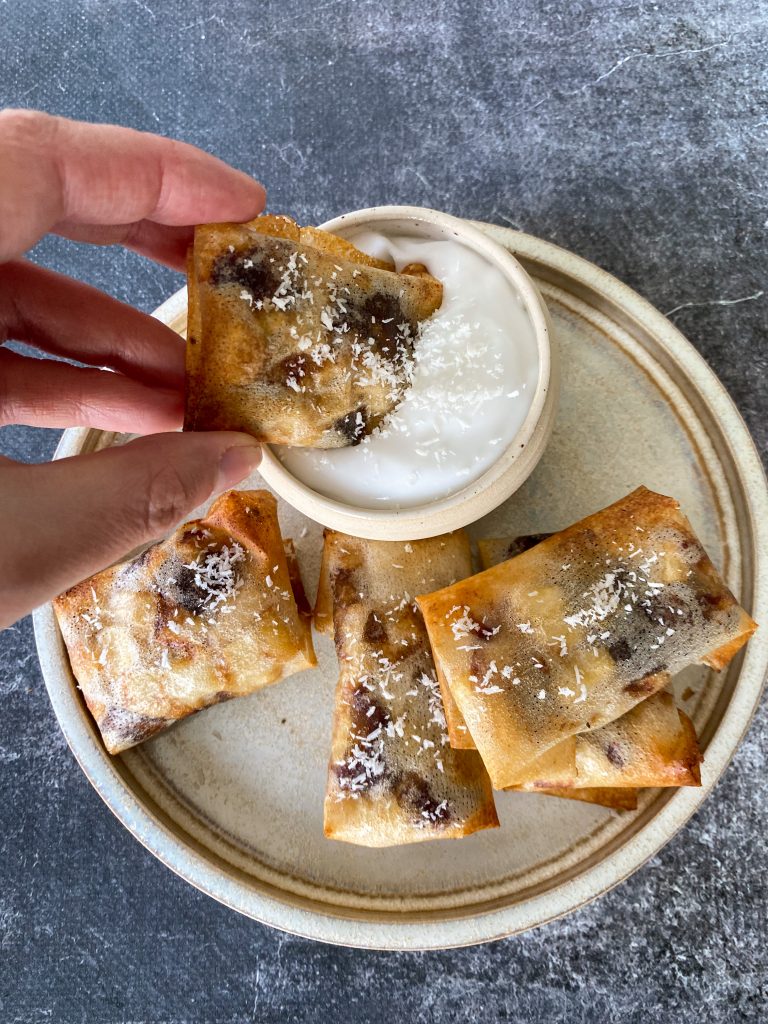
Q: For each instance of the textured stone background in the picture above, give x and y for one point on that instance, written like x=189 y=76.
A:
x=631 y=133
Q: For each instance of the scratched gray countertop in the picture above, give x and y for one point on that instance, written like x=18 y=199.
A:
x=634 y=134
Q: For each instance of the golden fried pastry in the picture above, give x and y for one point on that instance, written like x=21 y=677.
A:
x=295 y=336
x=393 y=777
x=652 y=745
x=616 y=799
x=576 y=631
x=492 y=551
x=322 y=615
x=206 y=615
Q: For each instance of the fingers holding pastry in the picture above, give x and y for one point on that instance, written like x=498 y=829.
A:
x=162 y=243
x=61 y=316
x=68 y=176
x=49 y=393
x=76 y=516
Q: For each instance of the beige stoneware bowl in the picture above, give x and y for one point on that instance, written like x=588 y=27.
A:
x=232 y=799
x=514 y=464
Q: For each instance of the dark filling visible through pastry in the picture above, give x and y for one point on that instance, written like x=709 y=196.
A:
x=614 y=755
x=524 y=543
x=184 y=592
x=374 y=631
x=413 y=793
x=380 y=317
x=345 y=590
x=252 y=269
x=353 y=426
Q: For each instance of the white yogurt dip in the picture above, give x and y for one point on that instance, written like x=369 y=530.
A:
x=475 y=371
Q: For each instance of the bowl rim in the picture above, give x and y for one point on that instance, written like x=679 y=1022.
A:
x=211 y=877
x=343 y=515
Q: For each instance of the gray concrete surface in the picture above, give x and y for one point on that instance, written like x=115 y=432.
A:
x=632 y=133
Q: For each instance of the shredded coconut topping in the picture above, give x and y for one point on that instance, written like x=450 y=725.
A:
x=215 y=576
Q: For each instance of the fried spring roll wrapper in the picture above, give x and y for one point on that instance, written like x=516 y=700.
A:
x=393 y=777
x=573 y=633
x=458 y=734
x=295 y=336
x=653 y=745
x=322 y=616
x=492 y=551
x=206 y=615
x=616 y=799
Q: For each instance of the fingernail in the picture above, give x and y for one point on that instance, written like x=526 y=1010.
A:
x=236 y=464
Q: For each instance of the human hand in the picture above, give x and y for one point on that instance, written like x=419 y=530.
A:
x=63 y=521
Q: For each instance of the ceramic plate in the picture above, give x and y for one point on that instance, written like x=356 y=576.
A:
x=232 y=799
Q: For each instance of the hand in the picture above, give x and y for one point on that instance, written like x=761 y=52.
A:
x=63 y=521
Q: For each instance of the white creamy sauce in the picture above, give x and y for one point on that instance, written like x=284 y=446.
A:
x=474 y=376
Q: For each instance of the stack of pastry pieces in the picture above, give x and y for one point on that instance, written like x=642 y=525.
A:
x=653 y=745
x=547 y=672
x=554 y=663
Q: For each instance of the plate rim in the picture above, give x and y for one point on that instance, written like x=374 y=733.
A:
x=570 y=895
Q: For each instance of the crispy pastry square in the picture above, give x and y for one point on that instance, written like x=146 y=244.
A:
x=206 y=615
x=492 y=551
x=393 y=777
x=295 y=336
x=653 y=745
x=576 y=631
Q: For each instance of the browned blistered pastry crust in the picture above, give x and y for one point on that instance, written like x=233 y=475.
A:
x=576 y=631
x=393 y=777
x=653 y=744
x=295 y=336
x=206 y=615
x=616 y=799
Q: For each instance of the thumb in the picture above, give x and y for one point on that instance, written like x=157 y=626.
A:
x=62 y=521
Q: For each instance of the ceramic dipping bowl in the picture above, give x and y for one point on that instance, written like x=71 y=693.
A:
x=514 y=463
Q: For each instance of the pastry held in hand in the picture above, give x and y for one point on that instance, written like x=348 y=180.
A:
x=393 y=777
x=295 y=336
x=574 y=632
x=206 y=615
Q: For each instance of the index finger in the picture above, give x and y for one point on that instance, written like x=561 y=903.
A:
x=59 y=174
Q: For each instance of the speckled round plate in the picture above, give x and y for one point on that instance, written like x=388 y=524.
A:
x=232 y=799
